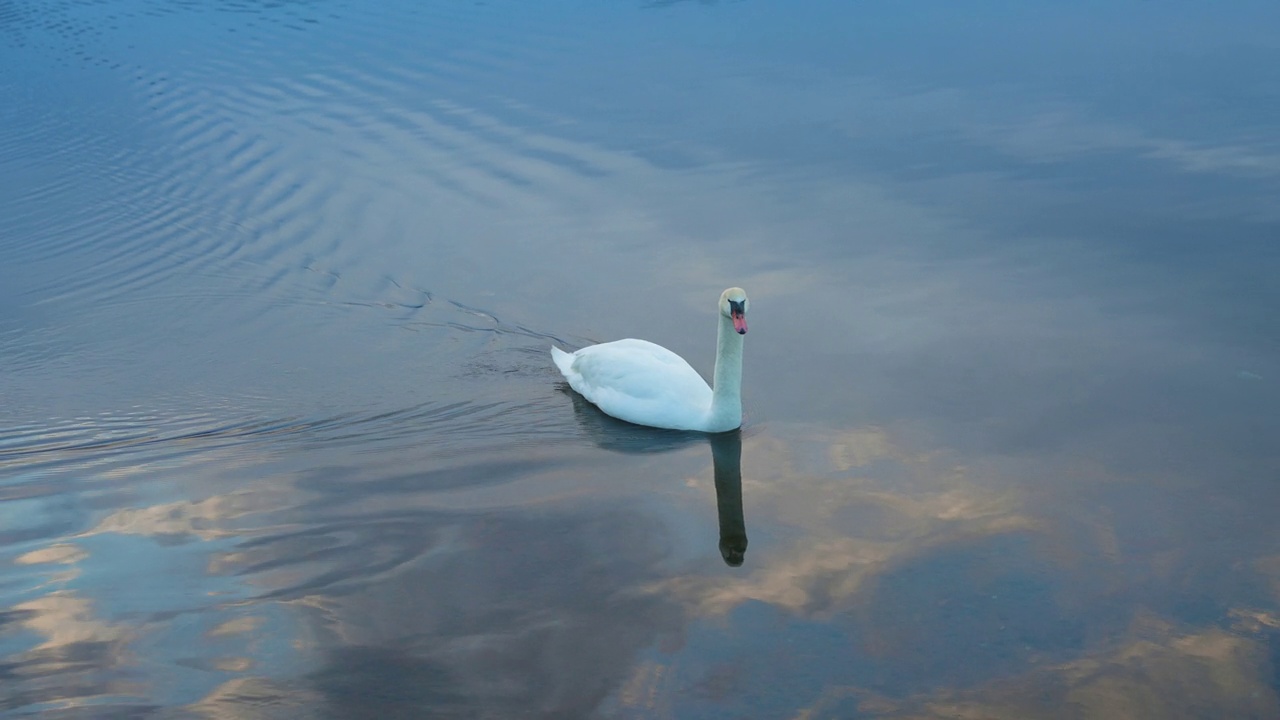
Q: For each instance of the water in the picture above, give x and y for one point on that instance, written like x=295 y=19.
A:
x=279 y=436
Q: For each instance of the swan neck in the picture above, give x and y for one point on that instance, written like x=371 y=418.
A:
x=726 y=390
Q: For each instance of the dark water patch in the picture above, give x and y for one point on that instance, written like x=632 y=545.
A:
x=578 y=618
x=337 y=558
x=333 y=482
x=992 y=606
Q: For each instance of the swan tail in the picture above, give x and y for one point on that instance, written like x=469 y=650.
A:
x=563 y=360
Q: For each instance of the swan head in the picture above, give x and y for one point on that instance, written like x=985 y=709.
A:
x=733 y=305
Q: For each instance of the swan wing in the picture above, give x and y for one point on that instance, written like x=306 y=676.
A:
x=638 y=381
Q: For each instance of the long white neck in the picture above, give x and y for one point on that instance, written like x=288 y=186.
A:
x=726 y=390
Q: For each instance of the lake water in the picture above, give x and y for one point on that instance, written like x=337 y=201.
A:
x=280 y=436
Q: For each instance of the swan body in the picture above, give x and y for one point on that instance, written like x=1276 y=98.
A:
x=647 y=384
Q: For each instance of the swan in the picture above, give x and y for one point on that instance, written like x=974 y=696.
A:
x=647 y=384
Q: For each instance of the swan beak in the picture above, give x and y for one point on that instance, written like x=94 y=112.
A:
x=739 y=316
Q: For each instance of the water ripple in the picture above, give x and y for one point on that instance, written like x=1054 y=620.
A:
x=89 y=439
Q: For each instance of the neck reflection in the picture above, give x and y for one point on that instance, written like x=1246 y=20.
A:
x=726 y=455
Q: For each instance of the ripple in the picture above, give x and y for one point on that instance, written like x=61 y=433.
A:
x=116 y=437
x=225 y=187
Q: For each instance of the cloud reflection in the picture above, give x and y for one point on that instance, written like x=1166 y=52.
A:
x=850 y=528
x=1178 y=677
x=77 y=656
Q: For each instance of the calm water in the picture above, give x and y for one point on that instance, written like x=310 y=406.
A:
x=280 y=438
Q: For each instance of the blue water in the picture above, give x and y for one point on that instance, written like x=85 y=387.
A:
x=280 y=437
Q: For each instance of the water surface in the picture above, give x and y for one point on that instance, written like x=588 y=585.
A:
x=279 y=435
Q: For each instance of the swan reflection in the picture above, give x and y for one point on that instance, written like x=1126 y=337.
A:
x=726 y=456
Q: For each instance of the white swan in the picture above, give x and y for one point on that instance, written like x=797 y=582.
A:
x=647 y=384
